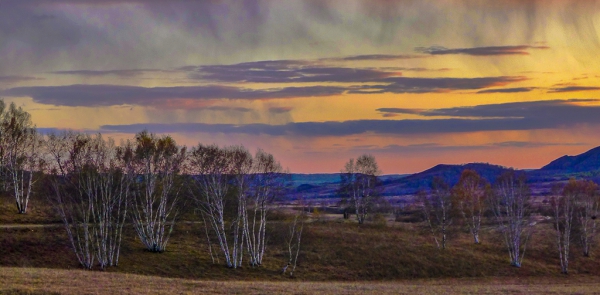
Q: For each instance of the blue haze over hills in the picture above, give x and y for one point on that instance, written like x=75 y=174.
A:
x=583 y=166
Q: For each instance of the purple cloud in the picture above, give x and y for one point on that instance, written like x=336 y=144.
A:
x=508 y=90
x=280 y=110
x=573 y=89
x=481 y=51
x=286 y=71
x=16 y=79
x=106 y=95
x=118 y=73
x=426 y=85
x=372 y=57
x=551 y=114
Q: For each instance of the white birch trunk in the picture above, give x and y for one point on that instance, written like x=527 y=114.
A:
x=154 y=165
x=90 y=193
x=293 y=241
x=19 y=154
x=510 y=204
x=564 y=211
x=436 y=209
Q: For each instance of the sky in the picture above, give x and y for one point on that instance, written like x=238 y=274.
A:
x=316 y=82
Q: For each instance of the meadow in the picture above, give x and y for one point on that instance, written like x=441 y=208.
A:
x=382 y=256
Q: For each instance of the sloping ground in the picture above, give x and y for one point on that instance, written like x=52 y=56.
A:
x=39 y=211
x=583 y=166
x=331 y=251
x=587 y=161
x=450 y=173
x=51 y=281
x=325 y=185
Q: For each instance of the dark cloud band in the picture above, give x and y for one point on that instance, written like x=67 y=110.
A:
x=99 y=73
x=107 y=95
x=428 y=85
x=315 y=129
x=508 y=90
x=481 y=51
x=17 y=79
x=573 y=89
x=510 y=116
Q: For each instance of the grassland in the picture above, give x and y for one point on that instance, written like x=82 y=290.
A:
x=51 y=281
x=338 y=256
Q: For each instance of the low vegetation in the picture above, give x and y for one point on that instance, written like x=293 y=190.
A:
x=332 y=249
x=41 y=281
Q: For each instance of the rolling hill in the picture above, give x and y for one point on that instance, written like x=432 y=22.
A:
x=585 y=165
x=586 y=162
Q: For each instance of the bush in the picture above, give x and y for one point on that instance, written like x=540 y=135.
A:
x=413 y=216
x=379 y=220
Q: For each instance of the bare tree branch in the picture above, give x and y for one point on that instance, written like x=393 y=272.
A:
x=510 y=204
x=359 y=184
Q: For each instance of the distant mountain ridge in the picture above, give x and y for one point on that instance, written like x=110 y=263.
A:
x=588 y=161
x=451 y=173
x=585 y=165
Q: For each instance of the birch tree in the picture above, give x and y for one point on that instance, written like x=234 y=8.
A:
x=437 y=210
x=268 y=182
x=89 y=191
x=155 y=163
x=469 y=195
x=3 y=180
x=510 y=204
x=293 y=240
x=563 y=209
x=211 y=170
x=586 y=215
x=20 y=146
x=242 y=167
x=359 y=184
x=234 y=192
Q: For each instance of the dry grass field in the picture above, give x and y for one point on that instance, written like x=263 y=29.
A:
x=338 y=257
x=52 y=281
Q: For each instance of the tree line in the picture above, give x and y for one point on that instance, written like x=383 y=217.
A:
x=573 y=208
x=97 y=186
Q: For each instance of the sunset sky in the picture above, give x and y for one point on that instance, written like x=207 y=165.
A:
x=415 y=83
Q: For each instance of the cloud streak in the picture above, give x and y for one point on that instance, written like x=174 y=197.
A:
x=345 y=128
x=551 y=113
x=228 y=109
x=436 y=147
x=287 y=71
x=508 y=90
x=280 y=110
x=481 y=51
x=375 y=57
x=573 y=89
x=98 y=73
x=425 y=85
x=495 y=117
x=107 y=95
x=535 y=144
x=17 y=79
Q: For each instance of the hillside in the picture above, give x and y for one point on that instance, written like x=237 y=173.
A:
x=333 y=249
x=588 y=161
x=451 y=173
x=585 y=165
x=324 y=186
